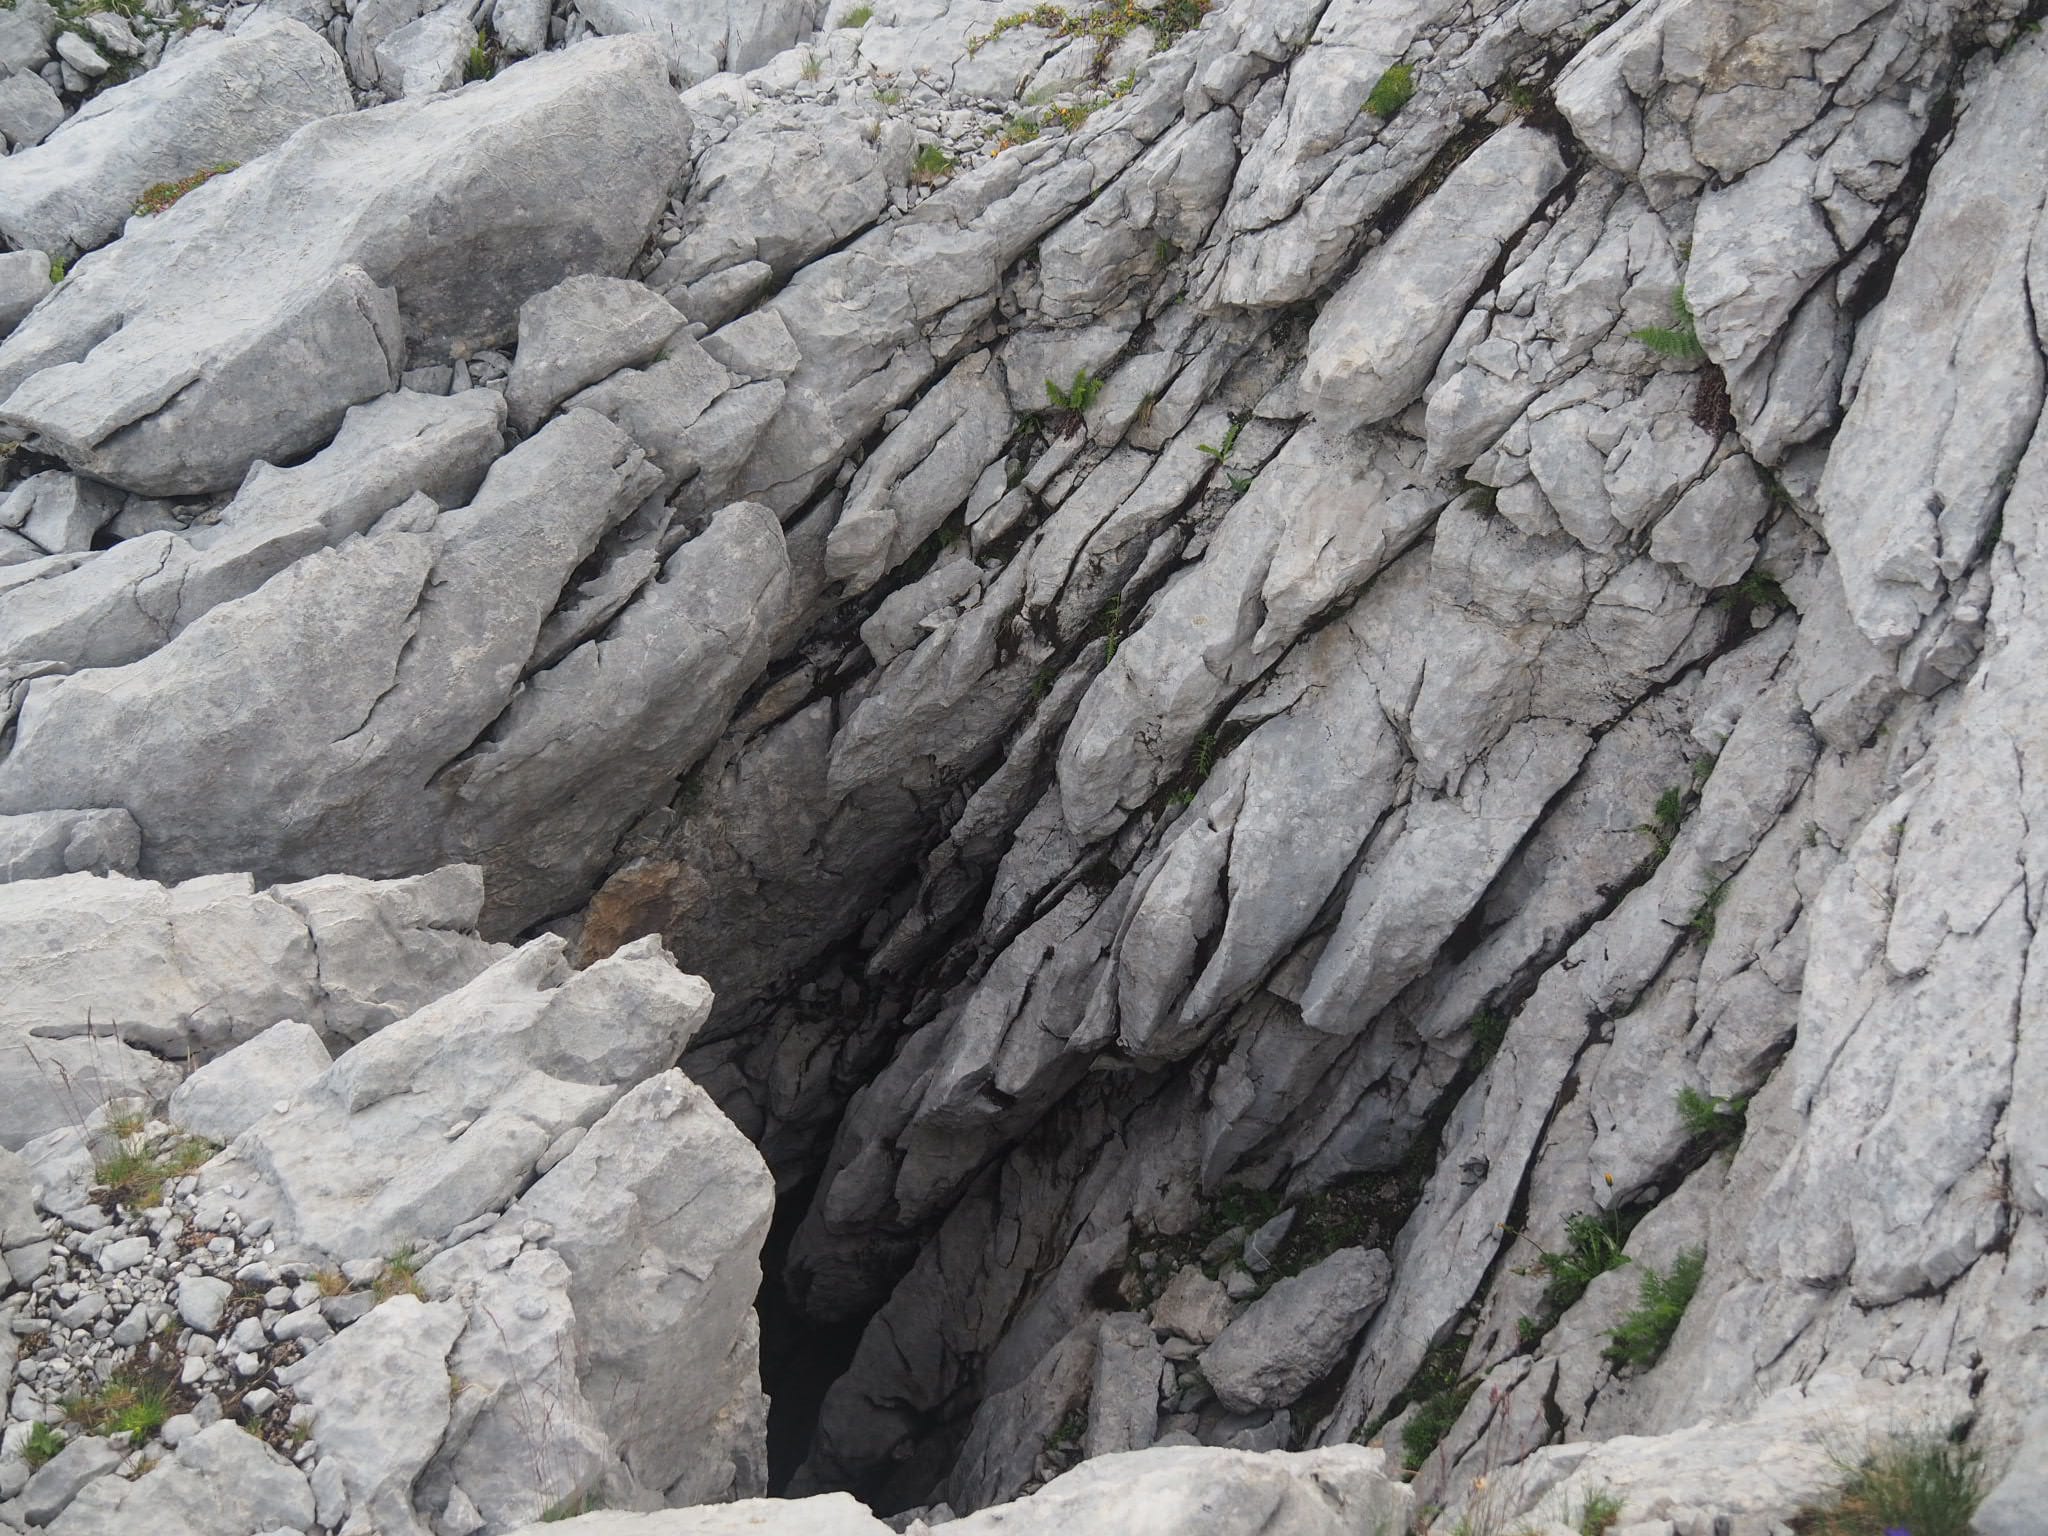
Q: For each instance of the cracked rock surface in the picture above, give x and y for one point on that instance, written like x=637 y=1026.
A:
x=1326 y=688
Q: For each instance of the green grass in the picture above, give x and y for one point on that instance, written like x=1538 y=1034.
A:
x=812 y=66
x=1710 y=1121
x=1067 y=1433
x=401 y=1275
x=1441 y=1395
x=570 y=1508
x=1679 y=340
x=133 y=1175
x=44 y=1441
x=155 y=199
x=1221 y=453
x=859 y=16
x=1107 y=23
x=1704 y=915
x=1489 y=1029
x=1592 y=1247
x=1641 y=1337
x=1601 y=1512
x=889 y=96
x=1021 y=129
x=931 y=165
x=1925 y=1485
x=134 y=1402
x=1393 y=91
x=482 y=62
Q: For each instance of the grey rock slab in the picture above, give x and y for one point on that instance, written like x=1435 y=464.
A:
x=1291 y=1337
x=232 y=1092
x=521 y=26
x=1123 y=1400
x=29 y=109
x=1709 y=537
x=202 y=1300
x=1372 y=350
x=57 y=1482
x=827 y=1514
x=60 y=512
x=125 y=602
x=224 y=98
x=44 y=844
x=578 y=332
x=442 y=1116
x=381 y=1402
x=198 y=968
x=1192 y=1306
x=1955 y=378
x=79 y=54
x=26 y=34
x=427 y=55
x=700 y=40
x=660 y=1213
x=168 y=364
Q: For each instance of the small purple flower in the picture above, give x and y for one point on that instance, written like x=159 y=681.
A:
x=1896 y=1530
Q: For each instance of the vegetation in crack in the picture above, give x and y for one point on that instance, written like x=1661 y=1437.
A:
x=1107 y=23
x=1711 y=1122
x=1641 y=1337
x=1925 y=1485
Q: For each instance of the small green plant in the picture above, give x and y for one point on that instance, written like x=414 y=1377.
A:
x=1529 y=1332
x=1666 y=817
x=1925 y=1485
x=1592 y=1247
x=1021 y=129
x=1112 y=622
x=155 y=199
x=401 y=1275
x=1756 y=590
x=1394 y=90
x=1641 y=1338
x=1067 y=1433
x=1205 y=754
x=859 y=16
x=1441 y=1395
x=44 y=1441
x=1106 y=23
x=811 y=66
x=482 y=62
x=1704 y=915
x=1601 y=1513
x=1680 y=339
x=1710 y=1121
x=56 y=273
x=1222 y=454
x=889 y=96
x=1078 y=396
x=571 y=1507
x=931 y=165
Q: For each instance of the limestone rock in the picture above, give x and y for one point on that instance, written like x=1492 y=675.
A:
x=225 y=99
x=232 y=1092
x=44 y=844
x=1123 y=1400
x=582 y=330
x=1291 y=1337
x=148 y=366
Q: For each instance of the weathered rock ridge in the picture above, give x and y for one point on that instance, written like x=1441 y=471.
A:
x=1277 y=659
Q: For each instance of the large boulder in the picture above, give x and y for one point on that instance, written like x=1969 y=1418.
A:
x=1294 y=1335
x=219 y=99
x=171 y=362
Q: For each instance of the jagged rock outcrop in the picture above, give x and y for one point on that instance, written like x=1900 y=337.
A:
x=1340 y=689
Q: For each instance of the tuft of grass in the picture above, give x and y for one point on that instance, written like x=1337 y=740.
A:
x=1601 y=1513
x=332 y=1282
x=1021 y=129
x=1680 y=340
x=1755 y=590
x=155 y=199
x=889 y=96
x=1394 y=90
x=1710 y=1121
x=812 y=66
x=859 y=16
x=1489 y=1029
x=134 y=1402
x=571 y=1507
x=56 y=273
x=931 y=166
x=1107 y=23
x=401 y=1275
x=1926 y=1485
x=1641 y=1338
x=44 y=1441
x=133 y=1175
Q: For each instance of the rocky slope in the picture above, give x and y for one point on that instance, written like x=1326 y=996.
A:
x=1302 y=673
